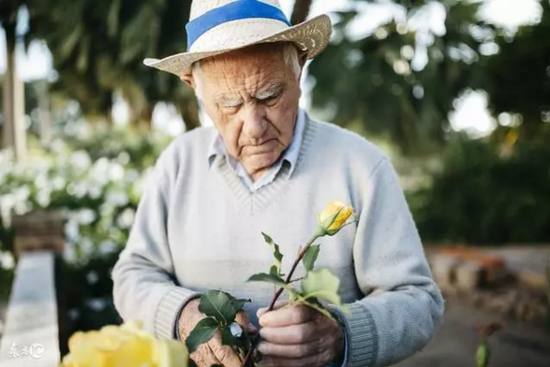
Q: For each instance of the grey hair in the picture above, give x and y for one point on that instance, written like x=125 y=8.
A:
x=290 y=55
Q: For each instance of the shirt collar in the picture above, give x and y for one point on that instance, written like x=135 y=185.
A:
x=290 y=155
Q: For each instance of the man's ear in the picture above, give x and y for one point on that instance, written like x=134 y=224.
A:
x=189 y=80
x=302 y=57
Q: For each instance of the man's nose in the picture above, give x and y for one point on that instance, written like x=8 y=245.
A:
x=254 y=122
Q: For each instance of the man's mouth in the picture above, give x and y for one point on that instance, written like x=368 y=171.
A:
x=265 y=147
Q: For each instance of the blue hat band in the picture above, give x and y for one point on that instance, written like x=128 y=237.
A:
x=237 y=10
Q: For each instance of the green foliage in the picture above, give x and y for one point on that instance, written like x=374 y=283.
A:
x=269 y=278
x=321 y=284
x=516 y=78
x=377 y=85
x=202 y=333
x=487 y=193
x=220 y=306
x=98 y=48
x=482 y=354
x=310 y=257
x=275 y=269
x=315 y=286
x=99 y=196
x=220 y=309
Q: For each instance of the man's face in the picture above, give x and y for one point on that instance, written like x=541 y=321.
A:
x=252 y=97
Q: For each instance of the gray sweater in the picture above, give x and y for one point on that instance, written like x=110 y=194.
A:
x=198 y=228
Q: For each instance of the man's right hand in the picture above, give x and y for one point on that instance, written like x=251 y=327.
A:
x=212 y=352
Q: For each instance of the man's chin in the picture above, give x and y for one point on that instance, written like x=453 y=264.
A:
x=262 y=161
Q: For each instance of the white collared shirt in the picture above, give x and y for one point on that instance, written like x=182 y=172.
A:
x=290 y=155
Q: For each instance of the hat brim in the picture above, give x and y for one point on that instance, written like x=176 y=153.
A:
x=311 y=36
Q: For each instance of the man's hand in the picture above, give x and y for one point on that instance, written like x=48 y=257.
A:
x=298 y=336
x=212 y=352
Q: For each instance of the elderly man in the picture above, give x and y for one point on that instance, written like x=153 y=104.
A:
x=266 y=166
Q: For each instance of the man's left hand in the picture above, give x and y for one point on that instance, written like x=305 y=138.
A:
x=298 y=336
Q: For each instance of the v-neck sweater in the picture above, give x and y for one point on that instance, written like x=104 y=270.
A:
x=198 y=227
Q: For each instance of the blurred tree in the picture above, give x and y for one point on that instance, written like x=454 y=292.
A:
x=482 y=196
x=373 y=80
x=300 y=11
x=98 y=48
x=517 y=80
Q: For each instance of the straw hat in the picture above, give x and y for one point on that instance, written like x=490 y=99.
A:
x=219 y=26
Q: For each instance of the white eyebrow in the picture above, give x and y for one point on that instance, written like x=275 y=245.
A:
x=273 y=91
x=227 y=102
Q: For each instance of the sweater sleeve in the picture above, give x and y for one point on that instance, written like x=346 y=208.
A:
x=402 y=303
x=144 y=286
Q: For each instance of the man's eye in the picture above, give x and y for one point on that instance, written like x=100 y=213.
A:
x=231 y=106
x=271 y=98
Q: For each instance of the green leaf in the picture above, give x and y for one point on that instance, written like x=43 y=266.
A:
x=322 y=284
x=218 y=305
x=313 y=303
x=277 y=255
x=227 y=337
x=238 y=303
x=203 y=332
x=310 y=257
x=482 y=355
x=268 y=278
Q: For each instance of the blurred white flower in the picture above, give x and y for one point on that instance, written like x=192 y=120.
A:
x=117 y=198
x=116 y=172
x=126 y=218
x=81 y=160
x=100 y=170
x=58 y=183
x=92 y=277
x=6 y=260
x=86 y=216
x=43 y=198
x=86 y=248
x=69 y=254
x=131 y=176
x=72 y=229
x=22 y=193
x=123 y=158
x=107 y=247
x=95 y=191
x=106 y=210
x=96 y=304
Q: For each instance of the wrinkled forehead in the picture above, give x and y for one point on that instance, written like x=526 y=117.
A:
x=259 y=61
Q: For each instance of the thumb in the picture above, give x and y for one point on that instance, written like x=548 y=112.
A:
x=244 y=321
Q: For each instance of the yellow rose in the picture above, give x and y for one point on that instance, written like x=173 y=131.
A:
x=125 y=345
x=333 y=218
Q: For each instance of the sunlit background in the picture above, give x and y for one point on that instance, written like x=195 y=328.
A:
x=456 y=92
x=471 y=107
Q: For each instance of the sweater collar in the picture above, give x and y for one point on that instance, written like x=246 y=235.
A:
x=290 y=155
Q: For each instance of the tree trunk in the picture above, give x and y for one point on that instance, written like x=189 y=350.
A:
x=190 y=113
x=142 y=120
x=300 y=11
x=14 y=106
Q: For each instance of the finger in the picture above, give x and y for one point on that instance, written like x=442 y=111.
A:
x=278 y=305
x=224 y=353
x=244 y=321
x=287 y=316
x=293 y=334
x=293 y=351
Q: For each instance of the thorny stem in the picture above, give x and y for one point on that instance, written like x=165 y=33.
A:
x=279 y=292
